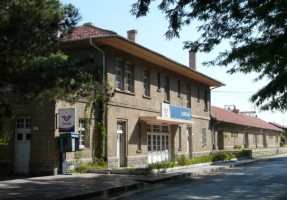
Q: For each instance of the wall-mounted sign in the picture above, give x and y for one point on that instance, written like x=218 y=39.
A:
x=67 y=120
x=175 y=112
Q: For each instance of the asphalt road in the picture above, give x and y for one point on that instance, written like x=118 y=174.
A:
x=266 y=179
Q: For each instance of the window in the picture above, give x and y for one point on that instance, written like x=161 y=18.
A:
x=23 y=122
x=124 y=76
x=188 y=96
x=82 y=133
x=146 y=82
x=129 y=77
x=119 y=75
x=166 y=89
x=205 y=100
x=178 y=88
x=198 y=94
x=234 y=134
x=203 y=137
x=158 y=82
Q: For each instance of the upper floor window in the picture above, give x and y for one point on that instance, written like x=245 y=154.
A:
x=129 y=77
x=178 y=88
x=146 y=82
x=124 y=76
x=158 y=82
x=166 y=89
x=188 y=96
x=119 y=75
x=205 y=100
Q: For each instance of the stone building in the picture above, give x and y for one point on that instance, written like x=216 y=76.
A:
x=232 y=129
x=160 y=110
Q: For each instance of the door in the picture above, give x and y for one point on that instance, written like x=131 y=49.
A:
x=158 y=147
x=22 y=152
x=120 y=150
x=220 y=139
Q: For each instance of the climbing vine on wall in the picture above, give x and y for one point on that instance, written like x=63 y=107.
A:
x=97 y=102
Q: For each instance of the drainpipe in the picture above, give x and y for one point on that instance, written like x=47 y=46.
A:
x=213 y=145
x=102 y=113
x=104 y=57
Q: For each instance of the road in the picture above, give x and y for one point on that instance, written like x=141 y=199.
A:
x=265 y=179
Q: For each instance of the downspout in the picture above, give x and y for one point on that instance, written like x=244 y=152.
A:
x=104 y=57
x=102 y=114
x=213 y=145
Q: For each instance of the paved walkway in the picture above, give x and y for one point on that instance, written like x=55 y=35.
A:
x=91 y=185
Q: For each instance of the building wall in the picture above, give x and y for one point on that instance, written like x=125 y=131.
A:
x=130 y=106
x=232 y=135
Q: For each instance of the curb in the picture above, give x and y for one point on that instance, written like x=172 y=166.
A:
x=112 y=192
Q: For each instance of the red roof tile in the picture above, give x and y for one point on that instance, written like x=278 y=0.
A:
x=229 y=116
x=87 y=30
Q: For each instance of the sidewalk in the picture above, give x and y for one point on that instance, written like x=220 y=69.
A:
x=90 y=185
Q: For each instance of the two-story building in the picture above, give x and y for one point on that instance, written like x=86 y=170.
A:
x=160 y=109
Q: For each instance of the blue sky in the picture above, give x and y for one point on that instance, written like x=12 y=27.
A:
x=114 y=15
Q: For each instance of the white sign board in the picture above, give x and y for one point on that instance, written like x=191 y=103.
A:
x=67 y=120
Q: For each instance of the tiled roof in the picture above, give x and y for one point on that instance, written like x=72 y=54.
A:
x=229 y=116
x=278 y=125
x=87 y=30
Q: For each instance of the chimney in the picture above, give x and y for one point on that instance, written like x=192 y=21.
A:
x=192 y=60
x=88 y=24
x=132 y=35
x=236 y=111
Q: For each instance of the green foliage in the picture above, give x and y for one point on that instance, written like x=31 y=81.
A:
x=255 y=30
x=161 y=165
x=282 y=139
x=5 y=134
x=237 y=147
x=31 y=66
x=183 y=160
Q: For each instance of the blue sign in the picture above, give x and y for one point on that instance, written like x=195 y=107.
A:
x=177 y=112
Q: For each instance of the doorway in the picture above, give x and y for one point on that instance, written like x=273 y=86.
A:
x=22 y=145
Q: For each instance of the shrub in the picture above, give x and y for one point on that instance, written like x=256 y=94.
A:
x=183 y=160
x=237 y=147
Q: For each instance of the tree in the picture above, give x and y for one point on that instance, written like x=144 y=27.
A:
x=256 y=30
x=29 y=55
x=32 y=69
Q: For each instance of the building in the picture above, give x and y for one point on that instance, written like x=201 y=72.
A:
x=160 y=109
x=231 y=129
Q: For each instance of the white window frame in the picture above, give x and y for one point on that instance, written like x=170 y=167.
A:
x=146 y=82
x=119 y=75
x=129 y=77
x=82 y=133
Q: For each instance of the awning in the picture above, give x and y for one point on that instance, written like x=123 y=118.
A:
x=163 y=120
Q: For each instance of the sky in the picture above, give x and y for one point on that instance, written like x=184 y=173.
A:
x=115 y=15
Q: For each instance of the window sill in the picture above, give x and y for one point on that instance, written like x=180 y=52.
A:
x=205 y=110
x=139 y=151
x=146 y=97
x=166 y=101
x=179 y=149
x=125 y=92
x=159 y=90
